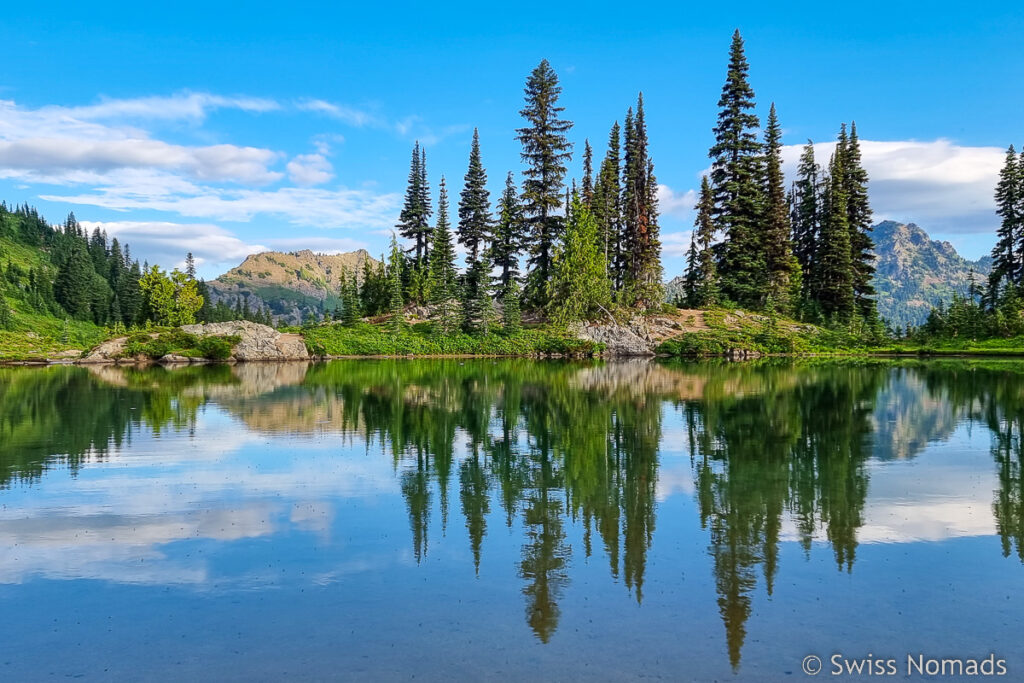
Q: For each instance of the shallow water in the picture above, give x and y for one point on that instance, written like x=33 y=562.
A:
x=508 y=519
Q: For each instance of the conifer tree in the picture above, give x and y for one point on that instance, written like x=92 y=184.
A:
x=642 y=275
x=805 y=215
x=478 y=309
x=190 y=265
x=834 y=270
x=414 y=221
x=474 y=206
x=702 y=275
x=736 y=179
x=546 y=150
x=442 y=284
x=396 y=305
x=858 y=210
x=1007 y=267
x=783 y=270
x=511 y=314
x=579 y=288
x=72 y=286
x=507 y=242
x=607 y=207
x=588 y=174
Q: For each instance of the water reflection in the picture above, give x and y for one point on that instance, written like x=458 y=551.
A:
x=778 y=451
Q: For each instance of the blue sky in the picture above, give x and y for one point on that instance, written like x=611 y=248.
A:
x=289 y=125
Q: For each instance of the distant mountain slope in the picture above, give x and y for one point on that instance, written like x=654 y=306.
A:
x=291 y=284
x=913 y=272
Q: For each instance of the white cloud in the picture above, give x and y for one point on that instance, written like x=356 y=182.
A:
x=940 y=185
x=183 y=105
x=349 y=115
x=319 y=244
x=676 y=203
x=310 y=169
x=167 y=243
x=675 y=244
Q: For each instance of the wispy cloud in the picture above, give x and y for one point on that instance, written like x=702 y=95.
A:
x=676 y=203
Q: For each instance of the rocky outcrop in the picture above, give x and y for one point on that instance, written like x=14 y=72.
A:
x=632 y=339
x=110 y=351
x=258 y=342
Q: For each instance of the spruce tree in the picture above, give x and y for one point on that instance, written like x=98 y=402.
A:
x=511 y=314
x=805 y=216
x=396 y=304
x=588 y=174
x=607 y=207
x=414 y=221
x=474 y=206
x=834 y=269
x=579 y=288
x=72 y=286
x=1007 y=268
x=702 y=276
x=736 y=179
x=507 y=242
x=190 y=265
x=783 y=271
x=642 y=278
x=442 y=284
x=546 y=150
x=858 y=210
x=478 y=308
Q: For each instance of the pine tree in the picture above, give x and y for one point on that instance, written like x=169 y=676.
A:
x=507 y=238
x=546 y=150
x=834 y=270
x=783 y=270
x=474 y=206
x=607 y=209
x=396 y=305
x=805 y=216
x=442 y=284
x=1007 y=268
x=642 y=278
x=736 y=179
x=72 y=286
x=858 y=210
x=702 y=276
x=414 y=221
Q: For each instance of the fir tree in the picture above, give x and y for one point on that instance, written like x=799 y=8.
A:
x=858 y=211
x=702 y=276
x=588 y=174
x=1007 y=268
x=510 y=313
x=546 y=150
x=805 y=216
x=642 y=280
x=396 y=305
x=414 y=221
x=72 y=286
x=735 y=177
x=478 y=309
x=190 y=265
x=507 y=242
x=782 y=267
x=442 y=284
x=834 y=270
x=474 y=206
x=607 y=208
x=579 y=288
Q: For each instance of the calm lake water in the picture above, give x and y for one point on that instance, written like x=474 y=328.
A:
x=508 y=519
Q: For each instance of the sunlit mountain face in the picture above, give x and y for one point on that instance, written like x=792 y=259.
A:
x=531 y=518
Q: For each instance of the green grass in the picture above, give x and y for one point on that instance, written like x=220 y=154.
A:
x=365 y=339
x=173 y=341
x=1013 y=346
x=36 y=337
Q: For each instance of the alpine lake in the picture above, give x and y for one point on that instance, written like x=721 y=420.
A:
x=511 y=520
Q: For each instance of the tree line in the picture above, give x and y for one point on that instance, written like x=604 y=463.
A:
x=806 y=252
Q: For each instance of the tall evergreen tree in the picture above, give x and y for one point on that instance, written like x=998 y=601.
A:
x=579 y=286
x=588 y=174
x=702 y=275
x=190 y=265
x=642 y=277
x=858 y=211
x=546 y=150
x=414 y=221
x=834 y=269
x=736 y=179
x=474 y=206
x=783 y=270
x=396 y=304
x=607 y=207
x=805 y=216
x=72 y=286
x=443 y=284
x=508 y=239
x=1007 y=266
